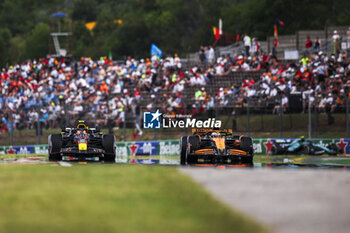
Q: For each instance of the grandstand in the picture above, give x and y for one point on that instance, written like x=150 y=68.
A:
x=296 y=42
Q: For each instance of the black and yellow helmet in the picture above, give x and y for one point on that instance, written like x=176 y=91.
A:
x=82 y=124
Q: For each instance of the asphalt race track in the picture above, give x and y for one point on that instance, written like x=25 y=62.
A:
x=287 y=200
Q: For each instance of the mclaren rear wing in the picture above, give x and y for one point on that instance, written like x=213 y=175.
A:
x=206 y=131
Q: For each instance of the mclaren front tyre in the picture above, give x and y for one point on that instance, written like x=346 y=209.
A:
x=189 y=144
x=194 y=143
x=183 y=150
x=55 y=145
x=108 y=143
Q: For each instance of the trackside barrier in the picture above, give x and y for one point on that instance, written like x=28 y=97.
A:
x=171 y=147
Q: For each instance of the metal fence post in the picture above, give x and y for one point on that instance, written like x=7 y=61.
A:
x=38 y=124
x=95 y=114
x=185 y=113
x=281 y=118
x=326 y=38
x=262 y=118
x=309 y=117
x=297 y=40
x=347 y=115
x=66 y=113
x=11 y=123
x=248 y=116
x=216 y=108
x=154 y=130
x=124 y=125
x=316 y=117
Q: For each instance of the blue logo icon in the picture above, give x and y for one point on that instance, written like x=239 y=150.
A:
x=151 y=120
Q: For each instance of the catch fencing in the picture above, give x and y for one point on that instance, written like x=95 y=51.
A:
x=256 y=116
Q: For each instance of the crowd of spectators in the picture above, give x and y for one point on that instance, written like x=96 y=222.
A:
x=107 y=92
x=320 y=79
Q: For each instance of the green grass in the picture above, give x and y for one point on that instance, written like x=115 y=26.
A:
x=319 y=159
x=332 y=161
x=20 y=156
x=110 y=198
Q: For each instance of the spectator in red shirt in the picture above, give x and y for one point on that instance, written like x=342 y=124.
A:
x=308 y=43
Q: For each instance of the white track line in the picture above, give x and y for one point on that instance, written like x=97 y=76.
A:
x=64 y=164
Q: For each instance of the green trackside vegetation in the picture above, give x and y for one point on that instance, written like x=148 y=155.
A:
x=176 y=26
x=110 y=198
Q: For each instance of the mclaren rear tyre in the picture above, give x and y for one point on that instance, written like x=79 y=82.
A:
x=247 y=144
x=183 y=150
x=55 y=145
x=108 y=143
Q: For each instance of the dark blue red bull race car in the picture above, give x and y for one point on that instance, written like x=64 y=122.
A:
x=81 y=142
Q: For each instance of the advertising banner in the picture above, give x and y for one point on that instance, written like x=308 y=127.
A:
x=17 y=150
x=169 y=147
x=41 y=149
x=137 y=148
x=172 y=147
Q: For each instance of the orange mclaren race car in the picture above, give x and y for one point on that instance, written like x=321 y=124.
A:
x=215 y=146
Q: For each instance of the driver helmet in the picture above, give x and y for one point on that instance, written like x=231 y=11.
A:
x=214 y=134
x=302 y=138
x=81 y=124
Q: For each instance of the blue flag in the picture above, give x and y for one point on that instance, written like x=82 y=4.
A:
x=156 y=51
